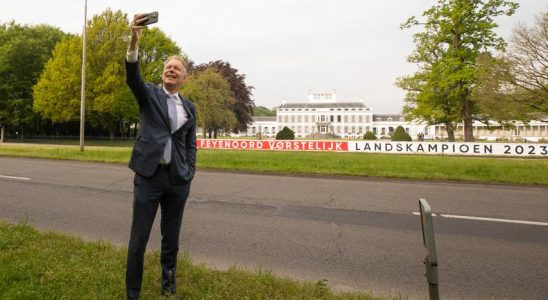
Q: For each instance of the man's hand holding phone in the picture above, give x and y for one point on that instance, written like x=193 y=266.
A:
x=137 y=24
x=145 y=19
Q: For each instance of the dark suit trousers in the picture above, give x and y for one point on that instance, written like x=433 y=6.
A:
x=149 y=192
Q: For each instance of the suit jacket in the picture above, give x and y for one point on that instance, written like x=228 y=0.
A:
x=155 y=131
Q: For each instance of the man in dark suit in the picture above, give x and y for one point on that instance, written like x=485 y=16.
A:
x=163 y=159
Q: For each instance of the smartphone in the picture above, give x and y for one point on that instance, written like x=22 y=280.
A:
x=152 y=18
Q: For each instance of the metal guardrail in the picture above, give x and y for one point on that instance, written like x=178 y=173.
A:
x=431 y=259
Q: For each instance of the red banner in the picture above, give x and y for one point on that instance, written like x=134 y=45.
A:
x=273 y=145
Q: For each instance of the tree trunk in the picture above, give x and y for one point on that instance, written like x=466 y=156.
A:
x=112 y=132
x=450 y=131
x=2 y=134
x=467 y=118
x=135 y=130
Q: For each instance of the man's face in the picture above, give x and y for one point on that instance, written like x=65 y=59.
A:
x=174 y=74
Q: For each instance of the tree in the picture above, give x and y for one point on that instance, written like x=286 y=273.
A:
x=528 y=66
x=494 y=95
x=24 y=51
x=285 y=134
x=211 y=94
x=243 y=105
x=514 y=86
x=400 y=135
x=455 y=33
x=109 y=103
x=369 y=136
x=57 y=93
x=427 y=100
x=261 y=111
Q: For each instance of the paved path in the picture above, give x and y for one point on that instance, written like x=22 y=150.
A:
x=358 y=233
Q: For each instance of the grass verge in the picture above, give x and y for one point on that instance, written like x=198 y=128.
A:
x=479 y=169
x=46 y=265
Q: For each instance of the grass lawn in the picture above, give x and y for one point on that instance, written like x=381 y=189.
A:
x=458 y=168
x=46 y=265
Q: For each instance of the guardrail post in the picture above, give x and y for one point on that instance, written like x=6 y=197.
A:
x=431 y=259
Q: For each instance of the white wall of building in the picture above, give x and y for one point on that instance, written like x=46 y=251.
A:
x=322 y=113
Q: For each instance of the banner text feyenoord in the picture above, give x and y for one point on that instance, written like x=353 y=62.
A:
x=436 y=148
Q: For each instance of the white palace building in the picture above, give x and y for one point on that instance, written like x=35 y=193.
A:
x=324 y=115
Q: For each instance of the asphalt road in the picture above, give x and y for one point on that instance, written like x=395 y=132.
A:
x=358 y=233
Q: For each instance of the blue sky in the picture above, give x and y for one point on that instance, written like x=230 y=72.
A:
x=285 y=47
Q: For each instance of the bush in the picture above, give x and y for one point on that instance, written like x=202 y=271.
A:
x=285 y=134
x=369 y=136
x=401 y=135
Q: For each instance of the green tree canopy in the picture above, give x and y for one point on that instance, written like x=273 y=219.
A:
x=214 y=100
x=369 y=136
x=109 y=103
x=455 y=33
x=493 y=94
x=57 y=93
x=514 y=85
x=285 y=134
x=242 y=106
x=24 y=50
x=261 y=111
x=400 y=135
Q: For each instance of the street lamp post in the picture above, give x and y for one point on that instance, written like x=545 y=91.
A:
x=83 y=89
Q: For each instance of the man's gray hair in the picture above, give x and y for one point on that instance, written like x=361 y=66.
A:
x=179 y=58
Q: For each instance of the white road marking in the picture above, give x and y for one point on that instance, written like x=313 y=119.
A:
x=13 y=177
x=418 y=214
x=488 y=219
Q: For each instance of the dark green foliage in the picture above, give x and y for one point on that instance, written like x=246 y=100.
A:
x=261 y=111
x=401 y=135
x=243 y=105
x=24 y=50
x=369 y=136
x=454 y=34
x=285 y=134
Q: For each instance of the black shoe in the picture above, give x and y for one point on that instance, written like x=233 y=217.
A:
x=168 y=284
x=132 y=296
x=171 y=295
